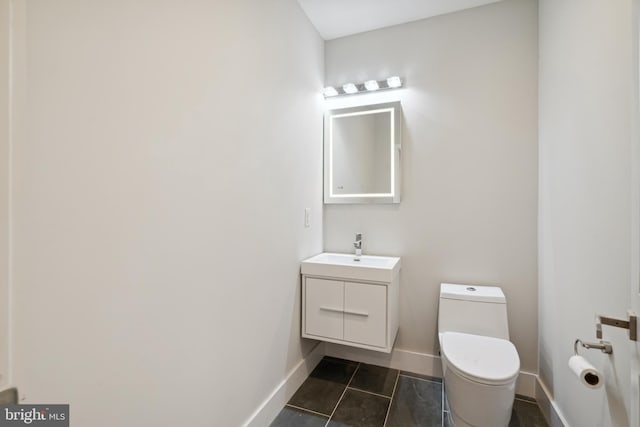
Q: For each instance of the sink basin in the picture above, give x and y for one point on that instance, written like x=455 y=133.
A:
x=344 y=266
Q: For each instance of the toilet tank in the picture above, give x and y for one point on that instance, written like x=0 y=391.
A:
x=478 y=310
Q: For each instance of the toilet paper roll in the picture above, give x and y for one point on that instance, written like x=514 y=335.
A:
x=588 y=374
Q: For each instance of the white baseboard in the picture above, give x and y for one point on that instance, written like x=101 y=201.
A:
x=526 y=384
x=418 y=363
x=548 y=406
x=404 y=360
x=269 y=409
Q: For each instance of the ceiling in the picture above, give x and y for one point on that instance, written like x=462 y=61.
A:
x=339 y=18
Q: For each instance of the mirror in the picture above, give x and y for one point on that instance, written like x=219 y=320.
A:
x=362 y=154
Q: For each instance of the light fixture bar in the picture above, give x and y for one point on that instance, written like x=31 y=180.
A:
x=393 y=82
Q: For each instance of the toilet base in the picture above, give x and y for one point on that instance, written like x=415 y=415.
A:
x=477 y=405
x=455 y=421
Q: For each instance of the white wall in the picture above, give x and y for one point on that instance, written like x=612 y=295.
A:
x=160 y=184
x=4 y=191
x=585 y=222
x=469 y=159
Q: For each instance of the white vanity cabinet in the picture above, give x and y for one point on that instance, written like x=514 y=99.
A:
x=349 y=311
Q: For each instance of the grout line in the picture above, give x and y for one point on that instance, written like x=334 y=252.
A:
x=442 y=405
x=532 y=402
x=342 y=395
x=421 y=379
x=395 y=385
x=370 y=392
x=306 y=410
x=525 y=399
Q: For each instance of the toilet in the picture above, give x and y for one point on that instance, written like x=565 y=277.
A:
x=479 y=363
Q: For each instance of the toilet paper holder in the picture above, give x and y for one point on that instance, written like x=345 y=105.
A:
x=604 y=346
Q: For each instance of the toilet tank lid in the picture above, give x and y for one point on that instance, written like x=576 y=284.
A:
x=491 y=294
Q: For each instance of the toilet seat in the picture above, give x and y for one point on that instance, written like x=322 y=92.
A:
x=481 y=359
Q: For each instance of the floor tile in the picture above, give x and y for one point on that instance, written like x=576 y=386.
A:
x=318 y=395
x=335 y=370
x=292 y=417
x=526 y=414
x=445 y=402
x=360 y=409
x=446 y=420
x=337 y=359
x=418 y=400
x=374 y=379
x=416 y=403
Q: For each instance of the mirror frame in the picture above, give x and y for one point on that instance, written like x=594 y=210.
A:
x=396 y=145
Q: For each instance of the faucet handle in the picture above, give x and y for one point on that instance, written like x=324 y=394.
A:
x=358 y=245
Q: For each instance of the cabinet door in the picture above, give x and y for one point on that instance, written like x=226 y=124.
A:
x=365 y=313
x=324 y=303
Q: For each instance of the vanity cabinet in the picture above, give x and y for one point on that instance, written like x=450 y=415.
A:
x=356 y=313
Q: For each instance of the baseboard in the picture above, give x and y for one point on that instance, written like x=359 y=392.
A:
x=269 y=409
x=526 y=384
x=548 y=406
x=404 y=360
x=419 y=363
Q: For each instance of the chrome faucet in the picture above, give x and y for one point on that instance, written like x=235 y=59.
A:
x=358 y=245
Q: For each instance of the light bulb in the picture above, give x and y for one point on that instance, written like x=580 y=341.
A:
x=394 y=82
x=350 y=88
x=371 y=85
x=329 y=91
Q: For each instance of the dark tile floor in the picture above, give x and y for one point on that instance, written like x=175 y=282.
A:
x=341 y=393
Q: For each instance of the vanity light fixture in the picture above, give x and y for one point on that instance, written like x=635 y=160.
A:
x=368 y=86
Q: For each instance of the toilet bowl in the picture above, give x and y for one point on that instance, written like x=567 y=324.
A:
x=479 y=363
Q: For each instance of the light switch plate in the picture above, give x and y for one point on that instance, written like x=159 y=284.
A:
x=307 y=217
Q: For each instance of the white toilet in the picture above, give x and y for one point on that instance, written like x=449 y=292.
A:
x=479 y=363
